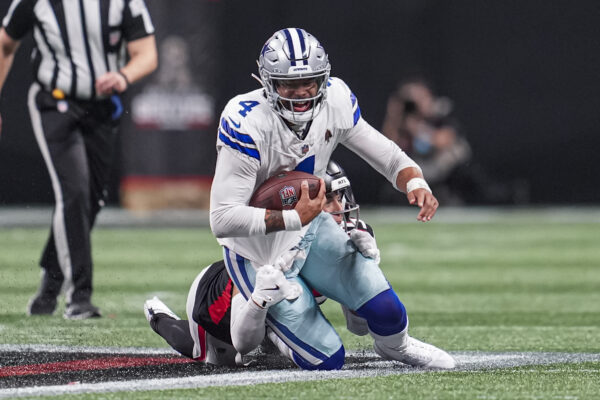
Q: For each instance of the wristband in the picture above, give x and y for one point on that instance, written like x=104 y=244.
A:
x=417 y=183
x=124 y=77
x=291 y=220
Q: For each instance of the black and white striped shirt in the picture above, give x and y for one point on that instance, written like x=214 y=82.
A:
x=77 y=40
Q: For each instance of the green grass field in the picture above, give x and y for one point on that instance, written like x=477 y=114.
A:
x=504 y=284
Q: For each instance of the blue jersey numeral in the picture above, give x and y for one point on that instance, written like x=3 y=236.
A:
x=247 y=106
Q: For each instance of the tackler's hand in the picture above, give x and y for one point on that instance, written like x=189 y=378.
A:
x=271 y=287
x=285 y=261
x=366 y=244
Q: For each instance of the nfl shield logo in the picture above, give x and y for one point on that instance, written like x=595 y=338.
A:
x=305 y=149
x=288 y=196
x=62 y=106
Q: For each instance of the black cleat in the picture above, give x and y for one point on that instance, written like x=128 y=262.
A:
x=41 y=305
x=44 y=301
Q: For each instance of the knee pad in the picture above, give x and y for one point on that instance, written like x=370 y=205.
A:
x=384 y=313
x=336 y=361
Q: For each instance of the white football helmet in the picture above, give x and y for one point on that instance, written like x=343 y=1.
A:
x=338 y=184
x=289 y=54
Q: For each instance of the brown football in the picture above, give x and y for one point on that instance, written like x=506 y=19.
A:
x=282 y=191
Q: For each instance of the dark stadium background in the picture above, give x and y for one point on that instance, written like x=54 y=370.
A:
x=524 y=76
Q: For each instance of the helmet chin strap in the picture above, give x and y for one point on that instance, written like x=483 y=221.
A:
x=257 y=78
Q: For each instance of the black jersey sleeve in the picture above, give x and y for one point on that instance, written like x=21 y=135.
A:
x=136 y=21
x=20 y=18
x=363 y=226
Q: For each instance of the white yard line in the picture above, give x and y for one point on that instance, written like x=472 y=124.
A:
x=467 y=361
x=49 y=348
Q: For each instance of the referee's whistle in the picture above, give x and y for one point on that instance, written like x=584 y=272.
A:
x=58 y=94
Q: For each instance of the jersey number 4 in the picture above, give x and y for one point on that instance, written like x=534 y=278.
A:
x=247 y=106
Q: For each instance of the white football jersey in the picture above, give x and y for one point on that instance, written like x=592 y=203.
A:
x=254 y=143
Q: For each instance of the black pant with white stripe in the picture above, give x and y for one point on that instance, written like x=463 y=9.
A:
x=77 y=140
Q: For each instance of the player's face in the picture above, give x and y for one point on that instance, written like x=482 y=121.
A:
x=298 y=89
x=333 y=203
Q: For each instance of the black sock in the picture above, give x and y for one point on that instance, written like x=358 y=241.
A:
x=175 y=332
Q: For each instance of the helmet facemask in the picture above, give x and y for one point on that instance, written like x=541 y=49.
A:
x=350 y=211
x=285 y=106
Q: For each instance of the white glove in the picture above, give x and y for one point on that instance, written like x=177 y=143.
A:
x=365 y=243
x=285 y=261
x=271 y=287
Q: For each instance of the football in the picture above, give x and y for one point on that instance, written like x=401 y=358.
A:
x=282 y=191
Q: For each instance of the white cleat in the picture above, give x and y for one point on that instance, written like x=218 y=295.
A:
x=155 y=306
x=419 y=354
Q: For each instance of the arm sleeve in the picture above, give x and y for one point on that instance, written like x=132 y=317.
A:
x=136 y=21
x=247 y=324
x=380 y=152
x=232 y=187
x=20 y=19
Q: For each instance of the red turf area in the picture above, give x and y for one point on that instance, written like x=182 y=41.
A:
x=88 y=364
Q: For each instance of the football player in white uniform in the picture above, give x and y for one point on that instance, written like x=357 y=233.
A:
x=294 y=122
x=221 y=324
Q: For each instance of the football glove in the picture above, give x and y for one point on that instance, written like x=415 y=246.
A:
x=271 y=287
x=286 y=260
x=366 y=244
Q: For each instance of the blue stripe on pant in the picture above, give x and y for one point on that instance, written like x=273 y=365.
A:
x=299 y=323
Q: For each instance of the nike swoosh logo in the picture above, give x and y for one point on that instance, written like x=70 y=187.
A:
x=274 y=288
x=234 y=124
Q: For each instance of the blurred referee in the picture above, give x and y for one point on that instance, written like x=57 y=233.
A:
x=80 y=68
